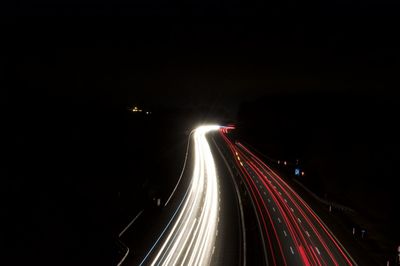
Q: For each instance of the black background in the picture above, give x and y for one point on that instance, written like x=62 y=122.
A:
x=311 y=79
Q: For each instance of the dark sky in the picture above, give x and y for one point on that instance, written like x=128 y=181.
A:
x=199 y=53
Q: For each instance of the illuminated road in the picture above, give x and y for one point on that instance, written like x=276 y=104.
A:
x=205 y=223
x=190 y=235
x=292 y=231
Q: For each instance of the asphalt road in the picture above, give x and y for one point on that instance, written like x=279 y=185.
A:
x=198 y=225
x=230 y=208
x=294 y=233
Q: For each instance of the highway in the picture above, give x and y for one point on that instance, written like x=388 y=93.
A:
x=190 y=235
x=293 y=232
x=231 y=208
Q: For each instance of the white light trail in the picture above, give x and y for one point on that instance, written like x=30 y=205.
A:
x=192 y=233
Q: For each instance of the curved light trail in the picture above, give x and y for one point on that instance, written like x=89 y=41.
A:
x=296 y=235
x=191 y=232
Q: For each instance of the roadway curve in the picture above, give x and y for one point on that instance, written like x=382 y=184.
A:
x=200 y=222
x=190 y=235
x=293 y=232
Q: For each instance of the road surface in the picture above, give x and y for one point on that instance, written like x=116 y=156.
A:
x=293 y=232
x=199 y=223
x=230 y=208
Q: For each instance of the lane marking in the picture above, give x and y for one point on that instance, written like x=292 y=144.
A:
x=133 y=220
x=291 y=209
x=299 y=219
x=319 y=253
x=273 y=208
x=307 y=234
x=123 y=259
x=291 y=249
x=183 y=169
x=284 y=232
x=279 y=220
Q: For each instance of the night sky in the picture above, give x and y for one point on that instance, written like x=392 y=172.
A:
x=224 y=54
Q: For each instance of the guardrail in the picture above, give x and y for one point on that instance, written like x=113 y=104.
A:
x=324 y=201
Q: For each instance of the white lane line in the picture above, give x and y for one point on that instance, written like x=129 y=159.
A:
x=123 y=259
x=279 y=220
x=319 y=253
x=244 y=246
x=280 y=193
x=291 y=209
x=269 y=200
x=133 y=220
x=285 y=200
x=307 y=234
x=291 y=249
x=265 y=193
x=284 y=232
x=183 y=169
x=299 y=219
x=273 y=208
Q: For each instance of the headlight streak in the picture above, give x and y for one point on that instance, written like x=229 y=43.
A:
x=192 y=234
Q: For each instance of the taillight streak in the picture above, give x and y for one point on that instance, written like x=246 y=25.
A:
x=303 y=203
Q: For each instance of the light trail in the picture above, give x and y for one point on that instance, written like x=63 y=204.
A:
x=314 y=218
x=309 y=240
x=193 y=230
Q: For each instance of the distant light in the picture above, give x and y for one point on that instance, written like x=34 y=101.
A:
x=302 y=173
x=279 y=162
x=297 y=172
x=284 y=163
x=136 y=109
